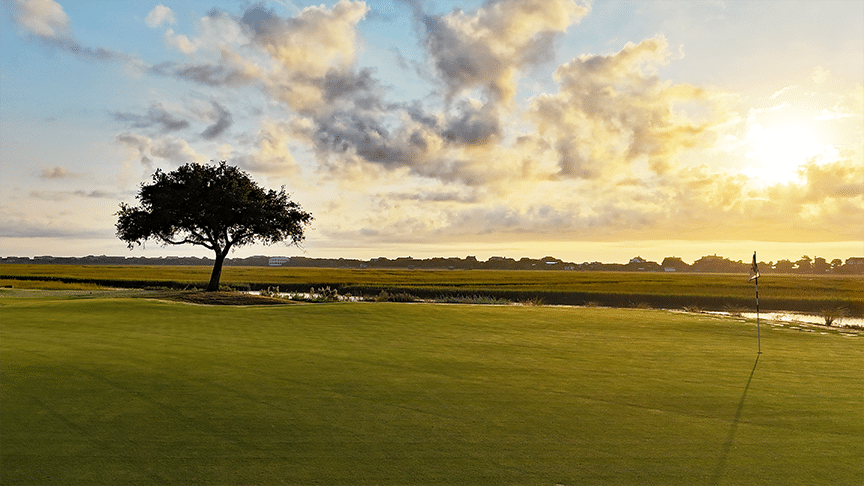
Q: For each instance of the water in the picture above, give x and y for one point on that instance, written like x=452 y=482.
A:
x=308 y=296
x=784 y=317
x=796 y=318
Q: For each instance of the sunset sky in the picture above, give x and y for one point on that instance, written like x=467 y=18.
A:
x=584 y=131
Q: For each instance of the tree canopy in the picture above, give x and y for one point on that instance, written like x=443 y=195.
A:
x=216 y=206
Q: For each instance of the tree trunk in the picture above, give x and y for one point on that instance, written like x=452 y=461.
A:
x=217 y=273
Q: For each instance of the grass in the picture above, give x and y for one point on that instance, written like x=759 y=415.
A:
x=133 y=391
x=805 y=293
x=49 y=285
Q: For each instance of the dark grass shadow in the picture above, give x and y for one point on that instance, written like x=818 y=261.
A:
x=730 y=438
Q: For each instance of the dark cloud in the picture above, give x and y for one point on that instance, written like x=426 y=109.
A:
x=223 y=122
x=470 y=197
x=476 y=125
x=97 y=194
x=259 y=18
x=262 y=22
x=345 y=131
x=206 y=74
x=460 y=62
x=359 y=86
x=156 y=116
x=573 y=160
x=484 y=49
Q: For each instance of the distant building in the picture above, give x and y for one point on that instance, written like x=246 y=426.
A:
x=278 y=261
x=855 y=261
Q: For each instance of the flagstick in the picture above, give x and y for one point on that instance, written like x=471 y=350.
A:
x=758 y=334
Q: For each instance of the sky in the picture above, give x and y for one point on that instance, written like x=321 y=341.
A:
x=587 y=131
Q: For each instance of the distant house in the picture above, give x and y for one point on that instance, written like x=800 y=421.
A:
x=278 y=261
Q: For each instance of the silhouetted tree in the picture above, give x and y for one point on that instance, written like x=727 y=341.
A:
x=215 y=206
x=784 y=266
x=804 y=265
x=820 y=265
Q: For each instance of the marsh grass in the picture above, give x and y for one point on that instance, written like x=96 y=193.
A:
x=802 y=293
x=473 y=300
x=386 y=296
x=734 y=310
x=49 y=285
x=833 y=316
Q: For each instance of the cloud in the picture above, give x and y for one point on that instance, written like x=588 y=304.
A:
x=57 y=196
x=599 y=158
x=160 y=15
x=22 y=226
x=272 y=155
x=180 y=42
x=56 y=173
x=355 y=133
x=477 y=124
x=157 y=116
x=303 y=51
x=613 y=111
x=842 y=178
x=819 y=207
x=311 y=43
x=438 y=196
x=145 y=149
x=850 y=105
x=209 y=74
x=43 y=18
x=485 y=49
x=222 y=123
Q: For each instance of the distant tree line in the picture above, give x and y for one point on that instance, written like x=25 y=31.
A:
x=706 y=264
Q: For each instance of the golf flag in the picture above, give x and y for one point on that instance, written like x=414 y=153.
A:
x=754 y=269
x=754 y=275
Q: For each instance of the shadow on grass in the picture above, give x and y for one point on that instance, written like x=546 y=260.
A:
x=730 y=438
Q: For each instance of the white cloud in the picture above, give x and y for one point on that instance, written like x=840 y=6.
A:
x=613 y=111
x=144 y=149
x=180 y=42
x=44 y=18
x=160 y=15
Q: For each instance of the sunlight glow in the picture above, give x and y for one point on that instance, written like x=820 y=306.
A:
x=777 y=152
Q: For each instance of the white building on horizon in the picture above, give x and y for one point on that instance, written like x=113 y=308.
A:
x=278 y=261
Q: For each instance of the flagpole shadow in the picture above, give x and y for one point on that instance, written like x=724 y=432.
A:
x=730 y=438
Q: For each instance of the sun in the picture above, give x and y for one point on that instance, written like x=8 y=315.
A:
x=776 y=152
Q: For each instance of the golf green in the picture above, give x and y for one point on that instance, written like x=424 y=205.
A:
x=110 y=390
